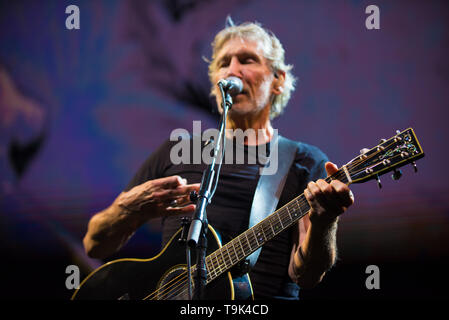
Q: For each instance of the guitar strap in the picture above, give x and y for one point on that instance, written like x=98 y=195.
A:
x=270 y=185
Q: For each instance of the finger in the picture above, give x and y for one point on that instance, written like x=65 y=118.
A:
x=331 y=168
x=343 y=192
x=178 y=201
x=172 y=194
x=320 y=191
x=308 y=196
x=187 y=189
x=167 y=182
x=314 y=195
x=181 y=210
x=330 y=200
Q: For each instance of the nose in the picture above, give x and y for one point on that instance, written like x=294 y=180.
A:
x=234 y=69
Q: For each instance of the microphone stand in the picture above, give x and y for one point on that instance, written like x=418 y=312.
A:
x=198 y=228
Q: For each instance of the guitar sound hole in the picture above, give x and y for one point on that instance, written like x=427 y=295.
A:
x=173 y=285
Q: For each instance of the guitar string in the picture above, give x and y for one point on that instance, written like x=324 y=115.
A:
x=282 y=213
x=247 y=245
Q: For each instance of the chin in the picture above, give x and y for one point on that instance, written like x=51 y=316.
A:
x=239 y=108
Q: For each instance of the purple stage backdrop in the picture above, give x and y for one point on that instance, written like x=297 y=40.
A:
x=81 y=109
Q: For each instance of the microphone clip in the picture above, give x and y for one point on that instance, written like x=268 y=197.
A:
x=229 y=87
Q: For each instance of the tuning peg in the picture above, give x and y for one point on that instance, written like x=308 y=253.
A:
x=382 y=140
x=414 y=166
x=379 y=184
x=398 y=131
x=364 y=150
x=397 y=174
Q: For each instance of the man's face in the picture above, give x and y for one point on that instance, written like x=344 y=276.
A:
x=243 y=59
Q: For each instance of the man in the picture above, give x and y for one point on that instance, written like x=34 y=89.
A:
x=299 y=257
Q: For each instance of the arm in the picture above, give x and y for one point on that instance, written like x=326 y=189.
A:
x=314 y=251
x=111 y=228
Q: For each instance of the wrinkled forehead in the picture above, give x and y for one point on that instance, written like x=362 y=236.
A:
x=238 y=45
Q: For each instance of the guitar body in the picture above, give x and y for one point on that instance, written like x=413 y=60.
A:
x=162 y=277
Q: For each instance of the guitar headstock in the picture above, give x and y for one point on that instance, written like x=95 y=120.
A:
x=387 y=156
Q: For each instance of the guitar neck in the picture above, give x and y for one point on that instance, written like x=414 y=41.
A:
x=249 y=241
x=387 y=156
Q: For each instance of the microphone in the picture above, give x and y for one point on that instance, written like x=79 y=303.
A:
x=232 y=85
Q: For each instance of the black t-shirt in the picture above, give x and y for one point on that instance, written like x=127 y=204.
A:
x=231 y=204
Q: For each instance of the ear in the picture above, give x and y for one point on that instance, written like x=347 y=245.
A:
x=278 y=82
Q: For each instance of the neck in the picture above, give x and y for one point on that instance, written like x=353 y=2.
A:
x=261 y=130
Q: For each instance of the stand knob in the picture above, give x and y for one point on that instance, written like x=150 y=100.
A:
x=397 y=174
x=193 y=196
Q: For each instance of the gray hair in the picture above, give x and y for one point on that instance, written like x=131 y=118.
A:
x=272 y=50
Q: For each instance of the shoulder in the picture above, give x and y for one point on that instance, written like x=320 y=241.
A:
x=309 y=158
x=311 y=152
x=307 y=151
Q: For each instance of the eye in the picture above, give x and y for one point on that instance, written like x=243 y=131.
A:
x=248 y=60
x=223 y=63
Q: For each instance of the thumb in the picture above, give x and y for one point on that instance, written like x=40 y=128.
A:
x=331 y=168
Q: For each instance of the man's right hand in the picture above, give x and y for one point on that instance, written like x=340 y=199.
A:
x=159 y=198
x=111 y=228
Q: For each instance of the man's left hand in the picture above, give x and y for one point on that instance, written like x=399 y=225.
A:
x=327 y=200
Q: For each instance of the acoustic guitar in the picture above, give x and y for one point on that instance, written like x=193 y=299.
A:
x=164 y=277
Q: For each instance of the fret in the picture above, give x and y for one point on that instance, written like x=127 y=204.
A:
x=287 y=221
x=295 y=211
x=266 y=232
x=299 y=206
x=288 y=210
x=224 y=260
x=276 y=226
x=236 y=255
x=262 y=234
x=305 y=208
x=210 y=267
x=277 y=214
x=286 y=218
x=249 y=243
x=255 y=236
x=269 y=221
x=218 y=262
x=229 y=254
x=241 y=247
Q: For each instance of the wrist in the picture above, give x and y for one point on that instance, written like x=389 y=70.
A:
x=126 y=215
x=324 y=224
